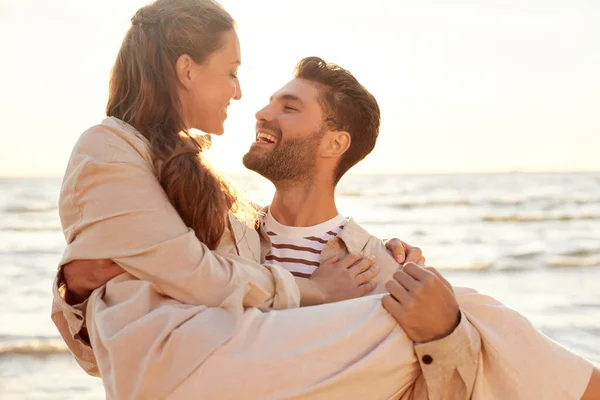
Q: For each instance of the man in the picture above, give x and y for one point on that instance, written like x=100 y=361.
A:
x=312 y=132
x=314 y=129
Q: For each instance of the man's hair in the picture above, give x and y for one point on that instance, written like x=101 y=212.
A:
x=347 y=106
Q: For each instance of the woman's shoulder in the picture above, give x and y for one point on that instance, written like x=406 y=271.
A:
x=112 y=141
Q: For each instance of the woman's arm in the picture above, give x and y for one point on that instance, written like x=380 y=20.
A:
x=113 y=207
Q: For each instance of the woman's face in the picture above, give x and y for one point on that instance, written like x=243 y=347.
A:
x=208 y=88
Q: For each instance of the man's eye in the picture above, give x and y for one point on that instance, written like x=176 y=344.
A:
x=288 y=108
x=234 y=76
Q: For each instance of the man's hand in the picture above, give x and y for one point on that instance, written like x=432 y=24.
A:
x=82 y=277
x=422 y=302
x=348 y=278
x=404 y=253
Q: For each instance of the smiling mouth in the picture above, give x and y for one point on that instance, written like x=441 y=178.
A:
x=264 y=137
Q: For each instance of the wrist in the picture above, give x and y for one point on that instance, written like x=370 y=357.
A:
x=311 y=293
x=447 y=332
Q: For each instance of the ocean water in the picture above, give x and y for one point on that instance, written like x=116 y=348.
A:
x=530 y=240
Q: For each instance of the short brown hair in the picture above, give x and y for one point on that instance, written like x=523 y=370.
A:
x=347 y=105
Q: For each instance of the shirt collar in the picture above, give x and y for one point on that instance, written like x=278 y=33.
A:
x=354 y=236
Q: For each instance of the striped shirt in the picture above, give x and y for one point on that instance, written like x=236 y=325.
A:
x=298 y=248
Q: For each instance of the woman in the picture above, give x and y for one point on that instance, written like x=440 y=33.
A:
x=184 y=320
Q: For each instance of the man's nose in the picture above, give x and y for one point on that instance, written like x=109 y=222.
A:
x=264 y=114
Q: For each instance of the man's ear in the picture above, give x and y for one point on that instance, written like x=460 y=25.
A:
x=335 y=144
x=184 y=69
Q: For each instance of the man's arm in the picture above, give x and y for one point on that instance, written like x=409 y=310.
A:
x=446 y=344
x=593 y=389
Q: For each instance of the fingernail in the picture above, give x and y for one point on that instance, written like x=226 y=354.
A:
x=372 y=257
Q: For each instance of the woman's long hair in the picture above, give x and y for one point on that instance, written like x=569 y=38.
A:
x=143 y=93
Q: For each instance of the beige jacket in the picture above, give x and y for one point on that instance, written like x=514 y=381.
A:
x=110 y=185
x=112 y=207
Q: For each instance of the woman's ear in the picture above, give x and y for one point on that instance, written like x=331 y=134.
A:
x=184 y=70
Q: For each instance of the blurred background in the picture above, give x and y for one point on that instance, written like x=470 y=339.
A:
x=487 y=157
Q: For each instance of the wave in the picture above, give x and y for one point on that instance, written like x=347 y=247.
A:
x=440 y=203
x=29 y=209
x=568 y=262
x=31 y=229
x=482 y=266
x=581 y=252
x=34 y=346
x=548 y=203
x=538 y=218
x=527 y=255
x=510 y=268
x=30 y=252
x=352 y=194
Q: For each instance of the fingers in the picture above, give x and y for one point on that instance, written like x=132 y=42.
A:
x=367 y=287
x=362 y=266
x=391 y=305
x=436 y=273
x=407 y=281
x=397 y=291
x=331 y=260
x=349 y=260
x=418 y=273
x=413 y=254
x=367 y=275
x=398 y=249
x=421 y=262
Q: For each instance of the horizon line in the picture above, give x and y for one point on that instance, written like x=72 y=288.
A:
x=364 y=173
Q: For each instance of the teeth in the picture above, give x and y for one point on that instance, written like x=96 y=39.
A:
x=261 y=136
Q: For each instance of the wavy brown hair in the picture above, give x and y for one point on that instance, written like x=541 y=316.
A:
x=143 y=93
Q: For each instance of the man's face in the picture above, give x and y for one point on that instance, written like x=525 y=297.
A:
x=288 y=134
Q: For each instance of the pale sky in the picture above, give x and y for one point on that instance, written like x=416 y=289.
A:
x=469 y=85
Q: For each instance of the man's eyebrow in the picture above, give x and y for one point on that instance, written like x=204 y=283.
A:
x=237 y=62
x=289 y=97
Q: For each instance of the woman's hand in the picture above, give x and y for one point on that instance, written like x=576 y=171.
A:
x=337 y=280
x=404 y=253
x=82 y=277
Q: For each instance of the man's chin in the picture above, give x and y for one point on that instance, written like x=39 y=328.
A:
x=252 y=162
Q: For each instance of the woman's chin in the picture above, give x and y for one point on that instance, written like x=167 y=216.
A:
x=217 y=129
x=218 y=132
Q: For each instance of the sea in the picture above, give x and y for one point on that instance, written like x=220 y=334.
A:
x=530 y=240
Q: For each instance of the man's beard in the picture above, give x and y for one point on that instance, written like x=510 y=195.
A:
x=290 y=160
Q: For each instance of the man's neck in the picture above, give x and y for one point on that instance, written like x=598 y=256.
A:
x=304 y=203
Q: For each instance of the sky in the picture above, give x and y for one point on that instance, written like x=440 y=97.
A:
x=463 y=85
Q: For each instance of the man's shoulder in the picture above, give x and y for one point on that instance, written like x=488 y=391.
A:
x=358 y=239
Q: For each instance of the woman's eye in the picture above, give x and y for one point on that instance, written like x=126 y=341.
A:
x=289 y=108
x=234 y=76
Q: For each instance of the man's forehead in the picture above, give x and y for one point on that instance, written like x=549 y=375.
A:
x=298 y=89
